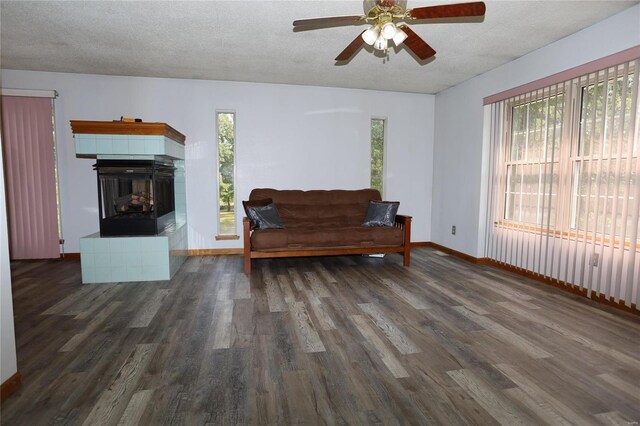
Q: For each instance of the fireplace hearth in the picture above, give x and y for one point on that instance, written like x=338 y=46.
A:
x=136 y=197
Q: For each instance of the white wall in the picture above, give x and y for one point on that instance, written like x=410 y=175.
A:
x=287 y=137
x=459 y=176
x=8 y=363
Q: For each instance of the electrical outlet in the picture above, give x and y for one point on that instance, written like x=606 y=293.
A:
x=595 y=257
x=453 y=230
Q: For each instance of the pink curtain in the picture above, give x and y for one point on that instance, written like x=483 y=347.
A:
x=27 y=139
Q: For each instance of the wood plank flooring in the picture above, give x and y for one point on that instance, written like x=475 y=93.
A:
x=334 y=340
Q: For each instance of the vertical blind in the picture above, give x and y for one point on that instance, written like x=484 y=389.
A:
x=564 y=193
x=27 y=125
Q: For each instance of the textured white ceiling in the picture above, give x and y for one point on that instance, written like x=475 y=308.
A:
x=254 y=40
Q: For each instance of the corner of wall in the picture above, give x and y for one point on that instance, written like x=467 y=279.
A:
x=8 y=359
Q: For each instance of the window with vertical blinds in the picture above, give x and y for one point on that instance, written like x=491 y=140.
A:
x=564 y=190
x=30 y=172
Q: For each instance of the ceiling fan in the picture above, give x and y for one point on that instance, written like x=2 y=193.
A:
x=383 y=16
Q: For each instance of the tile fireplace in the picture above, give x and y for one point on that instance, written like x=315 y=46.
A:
x=141 y=201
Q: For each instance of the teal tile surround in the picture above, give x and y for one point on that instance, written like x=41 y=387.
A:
x=90 y=144
x=180 y=191
x=125 y=259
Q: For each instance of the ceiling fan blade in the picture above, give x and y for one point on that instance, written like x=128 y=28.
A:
x=417 y=45
x=331 y=21
x=448 y=11
x=351 y=49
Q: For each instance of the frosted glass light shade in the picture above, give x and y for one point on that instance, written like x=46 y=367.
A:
x=388 y=30
x=399 y=37
x=371 y=35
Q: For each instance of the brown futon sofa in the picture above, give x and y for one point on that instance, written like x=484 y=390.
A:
x=322 y=223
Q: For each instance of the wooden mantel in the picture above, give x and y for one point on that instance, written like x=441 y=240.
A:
x=125 y=128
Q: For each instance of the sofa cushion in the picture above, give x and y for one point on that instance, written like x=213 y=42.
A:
x=322 y=237
x=381 y=213
x=304 y=215
x=265 y=217
x=334 y=196
x=318 y=207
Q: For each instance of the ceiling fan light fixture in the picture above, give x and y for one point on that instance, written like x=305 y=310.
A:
x=388 y=19
x=399 y=37
x=389 y=30
x=371 y=35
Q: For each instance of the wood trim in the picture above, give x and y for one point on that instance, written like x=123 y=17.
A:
x=70 y=256
x=420 y=244
x=540 y=278
x=571 y=288
x=328 y=252
x=125 y=128
x=227 y=237
x=406 y=241
x=452 y=252
x=402 y=219
x=213 y=252
x=10 y=385
x=246 y=233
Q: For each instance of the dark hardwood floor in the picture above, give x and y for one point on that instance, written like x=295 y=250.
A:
x=335 y=340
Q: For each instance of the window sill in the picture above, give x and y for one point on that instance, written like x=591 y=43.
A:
x=565 y=235
x=227 y=237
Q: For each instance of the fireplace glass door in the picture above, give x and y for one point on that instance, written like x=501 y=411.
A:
x=135 y=197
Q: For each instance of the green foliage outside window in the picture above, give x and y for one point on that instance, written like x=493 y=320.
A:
x=377 y=153
x=226 y=166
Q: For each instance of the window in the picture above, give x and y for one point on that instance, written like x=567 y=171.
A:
x=377 y=153
x=605 y=161
x=563 y=182
x=570 y=155
x=533 y=160
x=225 y=122
x=32 y=207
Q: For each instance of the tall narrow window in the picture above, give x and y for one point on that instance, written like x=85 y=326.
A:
x=226 y=172
x=377 y=153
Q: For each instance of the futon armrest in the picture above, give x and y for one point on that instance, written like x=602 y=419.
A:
x=246 y=238
x=245 y=221
x=404 y=222
x=402 y=219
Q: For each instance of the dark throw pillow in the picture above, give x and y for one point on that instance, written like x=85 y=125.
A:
x=255 y=203
x=265 y=217
x=381 y=213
